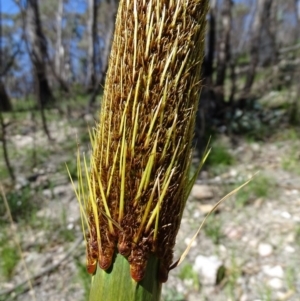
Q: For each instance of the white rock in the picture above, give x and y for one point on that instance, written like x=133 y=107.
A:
x=207 y=268
x=255 y=147
x=201 y=192
x=244 y=297
x=196 y=214
x=46 y=213
x=296 y=218
x=188 y=282
x=245 y=239
x=253 y=243
x=22 y=141
x=60 y=190
x=290 y=238
x=285 y=295
x=275 y=283
x=88 y=117
x=222 y=249
x=47 y=193
x=289 y=249
x=233 y=173
x=70 y=226
x=273 y=271
x=291 y=192
x=233 y=232
x=286 y=215
x=21 y=181
x=265 y=250
x=218 y=179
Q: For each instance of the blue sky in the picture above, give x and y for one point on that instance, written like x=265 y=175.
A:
x=8 y=6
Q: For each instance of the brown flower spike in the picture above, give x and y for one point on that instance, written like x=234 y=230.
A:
x=138 y=180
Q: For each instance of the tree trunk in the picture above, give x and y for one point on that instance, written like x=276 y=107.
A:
x=58 y=68
x=224 y=49
x=108 y=35
x=92 y=40
x=207 y=69
x=5 y=103
x=297 y=14
x=38 y=52
x=207 y=104
x=262 y=11
x=111 y=7
x=4 y=148
x=59 y=50
x=271 y=25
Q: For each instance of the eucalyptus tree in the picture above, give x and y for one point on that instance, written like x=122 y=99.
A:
x=37 y=46
x=223 y=56
x=263 y=8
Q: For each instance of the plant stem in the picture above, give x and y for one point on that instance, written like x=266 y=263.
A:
x=106 y=286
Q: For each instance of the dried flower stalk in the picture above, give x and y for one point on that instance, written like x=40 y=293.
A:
x=138 y=181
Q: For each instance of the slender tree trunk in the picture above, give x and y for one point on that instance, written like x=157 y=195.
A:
x=59 y=69
x=43 y=115
x=5 y=103
x=270 y=23
x=4 y=148
x=207 y=104
x=38 y=51
x=294 y=115
x=294 y=112
x=71 y=75
x=111 y=7
x=297 y=14
x=92 y=40
x=262 y=11
x=224 y=49
x=233 y=87
x=108 y=35
x=207 y=69
x=59 y=50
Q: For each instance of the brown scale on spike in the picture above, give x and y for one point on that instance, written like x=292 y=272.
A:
x=105 y=258
x=92 y=256
x=138 y=260
x=107 y=251
x=92 y=247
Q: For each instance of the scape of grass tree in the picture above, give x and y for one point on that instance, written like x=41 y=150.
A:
x=133 y=194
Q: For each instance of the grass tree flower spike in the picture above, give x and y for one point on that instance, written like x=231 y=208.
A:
x=133 y=194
